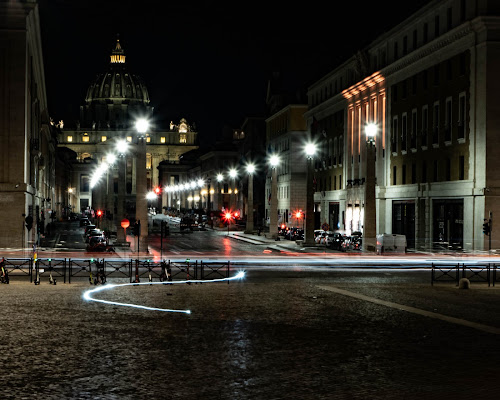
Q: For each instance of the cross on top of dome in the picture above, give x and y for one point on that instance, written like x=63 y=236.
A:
x=118 y=54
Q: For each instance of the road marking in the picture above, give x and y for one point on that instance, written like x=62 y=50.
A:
x=453 y=320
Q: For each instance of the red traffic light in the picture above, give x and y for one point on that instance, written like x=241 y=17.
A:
x=298 y=214
x=99 y=213
x=157 y=190
x=236 y=214
x=228 y=215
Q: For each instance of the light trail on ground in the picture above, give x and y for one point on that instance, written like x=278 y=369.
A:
x=88 y=294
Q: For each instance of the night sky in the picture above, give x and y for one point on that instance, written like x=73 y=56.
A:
x=208 y=62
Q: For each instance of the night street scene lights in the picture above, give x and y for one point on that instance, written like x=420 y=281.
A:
x=370 y=207
x=141 y=210
x=274 y=161
x=310 y=150
x=250 y=168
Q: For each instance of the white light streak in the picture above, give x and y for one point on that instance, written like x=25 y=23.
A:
x=88 y=294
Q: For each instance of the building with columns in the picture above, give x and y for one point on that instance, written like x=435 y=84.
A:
x=115 y=101
x=27 y=153
x=429 y=85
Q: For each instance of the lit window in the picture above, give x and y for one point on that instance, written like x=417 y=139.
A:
x=182 y=138
x=85 y=138
x=162 y=139
x=183 y=127
x=148 y=161
x=148 y=139
x=70 y=138
x=129 y=139
x=103 y=138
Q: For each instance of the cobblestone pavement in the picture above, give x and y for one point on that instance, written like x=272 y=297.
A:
x=274 y=335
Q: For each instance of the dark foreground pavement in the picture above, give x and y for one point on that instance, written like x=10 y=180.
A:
x=275 y=335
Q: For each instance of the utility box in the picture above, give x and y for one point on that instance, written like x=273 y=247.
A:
x=391 y=243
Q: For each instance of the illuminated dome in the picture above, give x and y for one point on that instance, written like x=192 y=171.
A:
x=115 y=97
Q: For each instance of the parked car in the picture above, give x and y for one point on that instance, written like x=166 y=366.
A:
x=356 y=240
x=298 y=234
x=84 y=221
x=337 y=240
x=188 y=224
x=94 y=233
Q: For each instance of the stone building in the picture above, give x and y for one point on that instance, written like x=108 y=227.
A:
x=429 y=85
x=27 y=153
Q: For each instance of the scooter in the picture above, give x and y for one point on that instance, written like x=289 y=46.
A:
x=166 y=272
x=5 y=273
x=100 y=275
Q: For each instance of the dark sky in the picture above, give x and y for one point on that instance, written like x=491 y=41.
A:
x=208 y=62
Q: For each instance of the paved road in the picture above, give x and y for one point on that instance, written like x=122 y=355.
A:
x=287 y=334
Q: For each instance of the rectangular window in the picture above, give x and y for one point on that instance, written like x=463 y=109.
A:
x=435 y=126
x=335 y=182
x=436 y=26
x=424 y=172
x=436 y=172
x=405 y=45
x=340 y=181
x=394 y=138
x=162 y=139
x=425 y=79
x=182 y=138
x=69 y=139
x=449 y=18
x=395 y=50
x=129 y=139
x=461 y=116
x=449 y=69
x=462 y=61
x=448 y=125
x=148 y=139
x=462 y=10
x=404 y=133
x=448 y=169
x=461 y=168
x=103 y=138
x=394 y=177
x=436 y=75
x=413 y=140
x=84 y=183
x=413 y=173
x=426 y=33
x=403 y=175
x=85 y=138
x=414 y=39
x=414 y=85
x=425 y=125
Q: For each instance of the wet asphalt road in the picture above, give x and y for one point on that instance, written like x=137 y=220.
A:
x=274 y=335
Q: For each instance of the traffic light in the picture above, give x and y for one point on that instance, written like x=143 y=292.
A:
x=236 y=214
x=99 y=213
x=486 y=227
x=157 y=190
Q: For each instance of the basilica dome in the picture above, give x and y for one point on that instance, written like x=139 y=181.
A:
x=115 y=97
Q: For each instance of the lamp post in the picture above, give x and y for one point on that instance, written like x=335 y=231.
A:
x=232 y=195
x=310 y=150
x=249 y=226
x=121 y=148
x=141 y=205
x=70 y=190
x=273 y=217
x=370 y=208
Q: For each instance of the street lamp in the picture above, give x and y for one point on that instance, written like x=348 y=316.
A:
x=274 y=160
x=310 y=150
x=121 y=150
x=141 y=205
x=370 y=207
x=232 y=192
x=70 y=191
x=249 y=226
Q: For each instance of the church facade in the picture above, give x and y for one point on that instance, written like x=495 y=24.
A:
x=106 y=139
